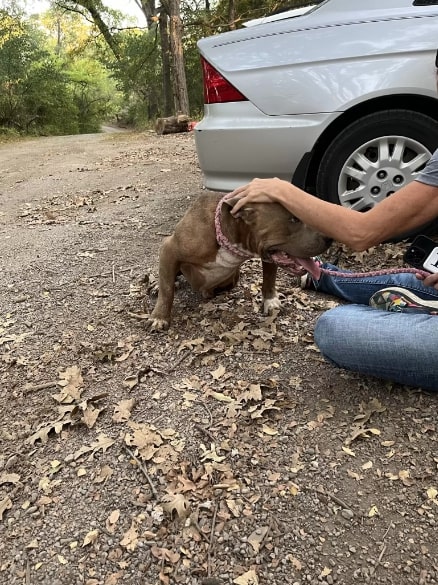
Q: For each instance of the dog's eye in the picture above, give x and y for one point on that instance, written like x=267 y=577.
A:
x=294 y=219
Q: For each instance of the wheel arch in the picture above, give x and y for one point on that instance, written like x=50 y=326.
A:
x=306 y=173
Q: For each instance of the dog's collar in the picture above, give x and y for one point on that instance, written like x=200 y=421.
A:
x=222 y=240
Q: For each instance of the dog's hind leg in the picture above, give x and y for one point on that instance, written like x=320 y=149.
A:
x=269 y=292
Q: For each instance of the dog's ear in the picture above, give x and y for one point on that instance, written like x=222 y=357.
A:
x=246 y=213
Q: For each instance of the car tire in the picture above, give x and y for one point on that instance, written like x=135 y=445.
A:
x=374 y=156
x=377 y=144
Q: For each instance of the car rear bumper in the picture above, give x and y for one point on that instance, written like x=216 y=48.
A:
x=241 y=139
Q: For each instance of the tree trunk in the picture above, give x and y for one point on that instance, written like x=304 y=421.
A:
x=172 y=8
x=165 y=59
x=232 y=14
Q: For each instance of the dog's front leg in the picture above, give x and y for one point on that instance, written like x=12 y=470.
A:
x=168 y=270
x=269 y=292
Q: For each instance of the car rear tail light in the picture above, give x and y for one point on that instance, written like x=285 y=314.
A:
x=216 y=88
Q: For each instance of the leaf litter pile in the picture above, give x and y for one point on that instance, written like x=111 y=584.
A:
x=222 y=451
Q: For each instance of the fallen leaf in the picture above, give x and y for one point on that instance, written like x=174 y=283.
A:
x=122 y=410
x=132 y=380
x=130 y=538
x=165 y=554
x=234 y=507
x=354 y=475
x=112 y=520
x=176 y=503
x=102 y=443
x=71 y=382
x=248 y=578
x=113 y=578
x=211 y=455
x=218 y=373
x=296 y=563
x=9 y=478
x=373 y=511
x=256 y=538
x=221 y=397
x=432 y=493
x=269 y=430
x=104 y=473
x=90 y=537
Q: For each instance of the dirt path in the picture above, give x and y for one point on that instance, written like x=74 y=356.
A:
x=223 y=451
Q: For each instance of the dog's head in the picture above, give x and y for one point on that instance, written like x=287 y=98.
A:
x=270 y=228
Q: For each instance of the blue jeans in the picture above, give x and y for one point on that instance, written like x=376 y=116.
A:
x=400 y=347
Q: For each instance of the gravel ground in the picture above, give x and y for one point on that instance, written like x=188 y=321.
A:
x=222 y=451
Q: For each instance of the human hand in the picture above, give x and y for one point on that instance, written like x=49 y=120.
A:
x=431 y=280
x=258 y=191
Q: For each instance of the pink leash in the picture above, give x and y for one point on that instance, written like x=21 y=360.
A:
x=288 y=263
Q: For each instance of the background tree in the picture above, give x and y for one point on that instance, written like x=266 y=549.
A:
x=74 y=66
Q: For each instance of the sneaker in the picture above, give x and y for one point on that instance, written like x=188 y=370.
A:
x=400 y=300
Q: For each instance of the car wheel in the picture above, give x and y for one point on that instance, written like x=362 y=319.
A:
x=375 y=156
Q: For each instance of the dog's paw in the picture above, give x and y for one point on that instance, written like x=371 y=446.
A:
x=151 y=322
x=271 y=305
x=158 y=324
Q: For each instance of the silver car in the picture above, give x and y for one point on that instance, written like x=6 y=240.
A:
x=340 y=100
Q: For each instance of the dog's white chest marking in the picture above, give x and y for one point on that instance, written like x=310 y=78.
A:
x=218 y=270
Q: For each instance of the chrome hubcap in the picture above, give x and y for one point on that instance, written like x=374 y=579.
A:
x=378 y=168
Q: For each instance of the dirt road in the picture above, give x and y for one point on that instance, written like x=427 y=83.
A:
x=223 y=451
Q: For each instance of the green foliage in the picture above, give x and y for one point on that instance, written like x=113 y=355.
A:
x=43 y=89
x=138 y=74
x=75 y=66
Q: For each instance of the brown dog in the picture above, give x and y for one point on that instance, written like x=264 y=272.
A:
x=259 y=229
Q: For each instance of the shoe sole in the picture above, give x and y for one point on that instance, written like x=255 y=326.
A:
x=409 y=296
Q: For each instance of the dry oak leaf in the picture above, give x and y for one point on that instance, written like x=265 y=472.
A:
x=71 y=382
x=218 y=373
x=165 y=554
x=176 y=503
x=256 y=538
x=146 y=439
x=132 y=380
x=104 y=474
x=90 y=416
x=102 y=443
x=296 y=562
x=42 y=434
x=248 y=578
x=5 y=504
x=90 y=537
x=432 y=494
x=130 y=538
x=9 y=478
x=122 y=410
x=212 y=454
x=373 y=511
x=112 y=520
x=113 y=578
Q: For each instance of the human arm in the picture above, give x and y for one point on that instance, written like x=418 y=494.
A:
x=407 y=209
